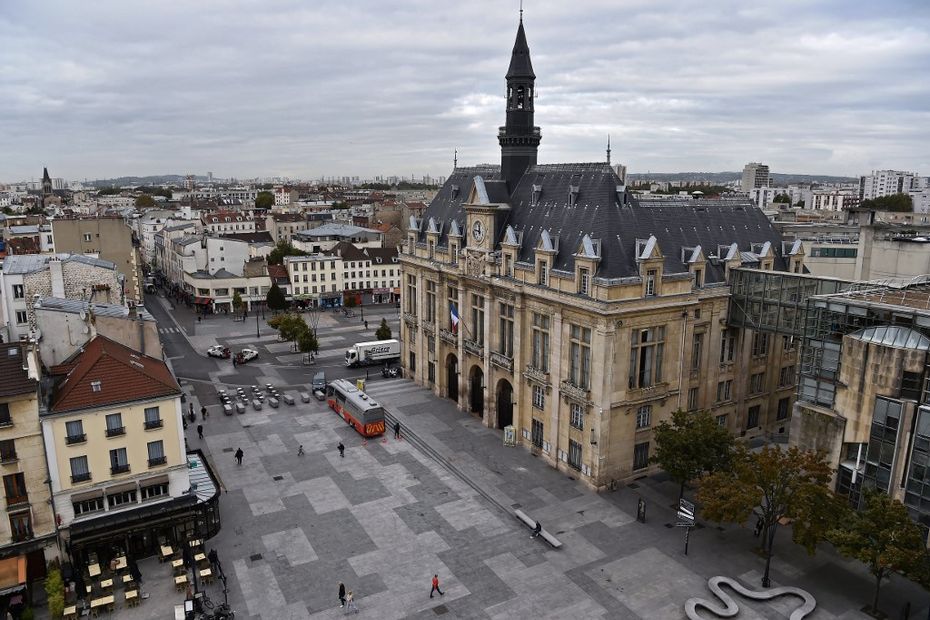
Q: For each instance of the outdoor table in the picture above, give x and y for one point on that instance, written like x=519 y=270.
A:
x=206 y=575
x=70 y=613
x=104 y=601
x=127 y=578
x=132 y=597
x=196 y=543
x=106 y=584
x=93 y=569
x=180 y=582
x=121 y=562
x=166 y=552
x=200 y=557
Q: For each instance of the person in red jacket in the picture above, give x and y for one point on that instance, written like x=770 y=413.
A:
x=435 y=586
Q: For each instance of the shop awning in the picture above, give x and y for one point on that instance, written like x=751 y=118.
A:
x=12 y=574
x=203 y=301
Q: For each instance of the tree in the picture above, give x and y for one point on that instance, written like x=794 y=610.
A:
x=264 y=200
x=896 y=202
x=236 y=301
x=782 y=199
x=340 y=205
x=384 y=331
x=275 y=299
x=883 y=536
x=55 y=593
x=780 y=485
x=690 y=445
x=282 y=249
x=145 y=202
x=307 y=342
x=349 y=301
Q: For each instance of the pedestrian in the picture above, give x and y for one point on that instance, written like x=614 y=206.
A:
x=300 y=450
x=200 y=431
x=191 y=408
x=203 y=412
x=214 y=560
x=350 y=602
x=537 y=530
x=199 y=318
x=758 y=529
x=342 y=450
x=342 y=594
x=435 y=587
x=234 y=361
x=366 y=324
x=239 y=455
x=396 y=430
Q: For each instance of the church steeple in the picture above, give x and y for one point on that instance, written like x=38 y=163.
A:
x=519 y=138
x=46 y=182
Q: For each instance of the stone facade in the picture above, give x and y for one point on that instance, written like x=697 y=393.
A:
x=80 y=281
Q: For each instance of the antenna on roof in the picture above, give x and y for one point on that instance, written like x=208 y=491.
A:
x=608 y=149
x=455 y=159
x=521 y=11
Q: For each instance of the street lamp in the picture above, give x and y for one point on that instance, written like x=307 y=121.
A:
x=257 y=332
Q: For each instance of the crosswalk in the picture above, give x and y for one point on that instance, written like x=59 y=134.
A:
x=169 y=330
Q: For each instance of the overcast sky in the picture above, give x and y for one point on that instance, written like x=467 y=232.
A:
x=305 y=88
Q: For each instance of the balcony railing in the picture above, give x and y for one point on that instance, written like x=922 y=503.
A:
x=502 y=361
x=570 y=390
x=22 y=535
x=536 y=374
x=8 y=457
x=75 y=478
x=448 y=336
x=473 y=347
x=7 y=421
x=73 y=439
x=16 y=500
x=150 y=424
x=158 y=460
x=119 y=469
x=115 y=432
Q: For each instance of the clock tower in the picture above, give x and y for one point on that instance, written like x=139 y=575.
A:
x=480 y=225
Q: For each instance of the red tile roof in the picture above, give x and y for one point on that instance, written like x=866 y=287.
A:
x=13 y=379
x=124 y=376
x=277 y=272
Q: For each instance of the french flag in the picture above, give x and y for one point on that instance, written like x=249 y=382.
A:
x=455 y=318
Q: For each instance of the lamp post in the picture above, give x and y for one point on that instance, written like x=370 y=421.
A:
x=257 y=332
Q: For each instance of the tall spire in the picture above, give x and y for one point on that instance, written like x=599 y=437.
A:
x=608 y=148
x=519 y=137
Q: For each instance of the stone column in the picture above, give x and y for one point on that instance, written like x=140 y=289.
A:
x=556 y=373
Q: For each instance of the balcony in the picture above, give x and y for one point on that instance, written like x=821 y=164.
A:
x=119 y=469
x=535 y=374
x=428 y=327
x=502 y=361
x=75 y=478
x=73 y=439
x=22 y=535
x=574 y=392
x=152 y=424
x=116 y=432
x=448 y=336
x=15 y=501
x=8 y=457
x=410 y=319
x=159 y=460
x=475 y=348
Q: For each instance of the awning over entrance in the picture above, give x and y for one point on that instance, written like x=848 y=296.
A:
x=12 y=574
x=203 y=301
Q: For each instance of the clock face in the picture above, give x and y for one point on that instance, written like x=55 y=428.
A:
x=477 y=231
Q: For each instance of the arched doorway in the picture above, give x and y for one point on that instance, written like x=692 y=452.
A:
x=452 y=377
x=476 y=390
x=504 y=403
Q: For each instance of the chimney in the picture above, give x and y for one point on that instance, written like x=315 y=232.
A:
x=58 y=278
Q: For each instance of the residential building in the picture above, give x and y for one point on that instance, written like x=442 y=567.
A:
x=147 y=225
x=316 y=279
x=888 y=183
x=755 y=175
x=119 y=473
x=546 y=300
x=70 y=276
x=28 y=533
x=369 y=275
x=281 y=226
x=284 y=196
x=326 y=237
x=832 y=200
x=764 y=197
x=108 y=238
x=223 y=222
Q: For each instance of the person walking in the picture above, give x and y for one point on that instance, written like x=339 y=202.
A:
x=300 y=450
x=435 y=587
x=214 y=560
x=537 y=530
x=342 y=594
x=350 y=602
x=342 y=450
x=239 y=456
x=396 y=430
x=203 y=412
x=191 y=408
x=200 y=431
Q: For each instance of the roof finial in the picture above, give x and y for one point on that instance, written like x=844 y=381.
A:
x=608 y=149
x=521 y=11
x=455 y=159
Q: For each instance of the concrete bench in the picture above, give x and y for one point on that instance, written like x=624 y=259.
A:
x=531 y=523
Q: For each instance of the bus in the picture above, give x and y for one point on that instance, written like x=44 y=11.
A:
x=355 y=407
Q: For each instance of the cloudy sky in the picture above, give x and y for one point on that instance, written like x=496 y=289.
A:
x=306 y=88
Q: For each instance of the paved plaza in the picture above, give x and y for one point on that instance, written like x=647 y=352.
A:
x=391 y=513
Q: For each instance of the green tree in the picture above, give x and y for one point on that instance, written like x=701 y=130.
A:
x=349 y=301
x=780 y=484
x=882 y=536
x=340 y=204
x=384 y=331
x=237 y=301
x=782 y=199
x=307 y=342
x=264 y=200
x=145 y=202
x=896 y=202
x=55 y=592
x=275 y=298
x=282 y=249
x=690 y=445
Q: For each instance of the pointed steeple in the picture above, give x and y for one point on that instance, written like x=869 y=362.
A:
x=520 y=64
x=46 y=182
x=519 y=137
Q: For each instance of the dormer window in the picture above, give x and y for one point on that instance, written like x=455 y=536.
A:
x=430 y=248
x=573 y=195
x=650 y=283
x=698 y=278
x=542 y=274
x=95 y=386
x=455 y=191
x=453 y=253
x=537 y=192
x=584 y=281
x=507 y=270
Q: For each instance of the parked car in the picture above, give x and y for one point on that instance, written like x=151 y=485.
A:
x=218 y=350
x=246 y=355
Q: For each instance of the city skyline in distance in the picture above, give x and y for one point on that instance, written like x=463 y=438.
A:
x=328 y=90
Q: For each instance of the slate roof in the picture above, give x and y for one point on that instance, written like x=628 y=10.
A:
x=616 y=221
x=250 y=237
x=75 y=306
x=334 y=230
x=13 y=379
x=29 y=263
x=520 y=64
x=124 y=376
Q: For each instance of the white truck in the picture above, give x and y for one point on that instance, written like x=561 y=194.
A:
x=374 y=352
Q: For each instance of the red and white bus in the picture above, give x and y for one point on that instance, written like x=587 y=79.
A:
x=355 y=407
